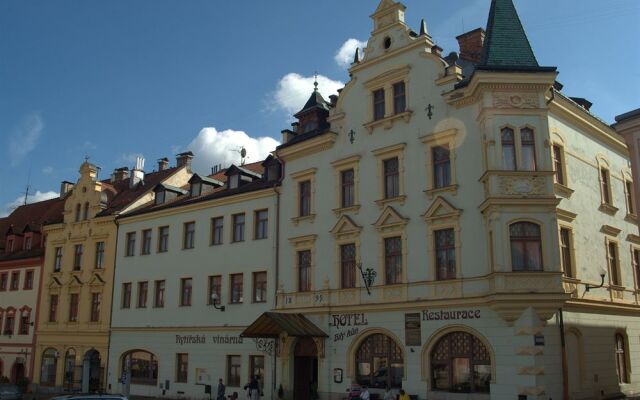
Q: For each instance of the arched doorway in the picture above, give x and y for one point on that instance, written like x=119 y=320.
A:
x=48 y=367
x=18 y=371
x=141 y=367
x=460 y=363
x=305 y=364
x=91 y=372
x=379 y=362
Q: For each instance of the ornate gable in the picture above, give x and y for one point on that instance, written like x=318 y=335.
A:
x=96 y=280
x=345 y=228
x=74 y=281
x=390 y=219
x=55 y=283
x=441 y=209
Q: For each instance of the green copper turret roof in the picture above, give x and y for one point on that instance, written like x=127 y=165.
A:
x=506 y=45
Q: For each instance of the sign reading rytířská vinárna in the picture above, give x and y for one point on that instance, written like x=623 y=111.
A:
x=202 y=339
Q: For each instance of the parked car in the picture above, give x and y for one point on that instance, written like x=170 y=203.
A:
x=9 y=391
x=90 y=396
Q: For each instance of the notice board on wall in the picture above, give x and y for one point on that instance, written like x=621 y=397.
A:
x=412 y=331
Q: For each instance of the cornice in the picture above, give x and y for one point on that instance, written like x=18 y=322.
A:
x=307 y=147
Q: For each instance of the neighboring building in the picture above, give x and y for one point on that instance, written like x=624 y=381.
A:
x=73 y=329
x=480 y=203
x=21 y=260
x=628 y=125
x=191 y=251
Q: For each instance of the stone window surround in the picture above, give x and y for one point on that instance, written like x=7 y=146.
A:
x=299 y=177
x=447 y=137
x=385 y=153
x=302 y=243
x=352 y=162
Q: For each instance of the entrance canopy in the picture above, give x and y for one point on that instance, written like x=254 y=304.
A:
x=272 y=324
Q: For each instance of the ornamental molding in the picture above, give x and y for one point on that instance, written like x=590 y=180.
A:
x=390 y=219
x=515 y=100
x=610 y=230
x=522 y=186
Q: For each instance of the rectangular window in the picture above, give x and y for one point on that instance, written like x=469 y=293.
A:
x=604 y=186
x=256 y=368
x=158 y=294
x=233 y=371
x=347 y=188
x=146 y=242
x=53 y=308
x=378 y=104
x=182 y=367
x=441 y=166
x=131 y=244
x=391 y=178
x=57 y=261
x=9 y=323
x=508 y=149
x=99 y=261
x=445 y=246
x=348 y=265
x=238 y=227
x=628 y=185
x=215 y=289
x=304 y=198
x=77 y=257
x=236 y=288
x=557 y=164
x=126 y=295
x=186 y=291
x=393 y=260
x=163 y=239
x=96 y=299
x=527 y=140
x=399 y=98
x=261 y=219
x=636 y=266
x=27 y=243
x=613 y=263
x=259 y=287
x=23 y=329
x=304 y=271
x=4 y=278
x=565 y=252
x=217 y=230
x=189 y=235
x=73 y=307
x=15 y=280
x=10 y=243
x=143 y=289
x=28 y=280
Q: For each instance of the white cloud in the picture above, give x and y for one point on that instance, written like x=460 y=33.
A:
x=212 y=147
x=344 y=56
x=24 y=137
x=32 y=198
x=294 y=90
x=48 y=170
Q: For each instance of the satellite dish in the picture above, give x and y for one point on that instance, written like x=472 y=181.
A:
x=243 y=152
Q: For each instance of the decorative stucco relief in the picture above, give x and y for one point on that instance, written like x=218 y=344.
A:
x=516 y=185
x=515 y=100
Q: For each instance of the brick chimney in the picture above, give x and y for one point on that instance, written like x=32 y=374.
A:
x=470 y=44
x=163 y=163
x=65 y=187
x=184 y=160
x=120 y=174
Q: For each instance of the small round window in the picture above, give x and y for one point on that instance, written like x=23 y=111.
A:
x=387 y=42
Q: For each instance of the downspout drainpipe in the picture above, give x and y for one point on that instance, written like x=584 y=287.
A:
x=113 y=286
x=565 y=375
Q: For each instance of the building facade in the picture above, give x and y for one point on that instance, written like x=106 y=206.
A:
x=455 y=226
x=194 y=266
x=21 y=259
x=73 y=330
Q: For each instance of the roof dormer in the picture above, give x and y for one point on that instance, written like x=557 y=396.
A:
x=272 y=169
x=202 y=185
x=165 y=193
x=238 y=176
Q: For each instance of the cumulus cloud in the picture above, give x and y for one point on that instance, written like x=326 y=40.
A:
x=344 y=56
x=294 y=90
x=24 y=137
x=32 y=198
x=212 y=147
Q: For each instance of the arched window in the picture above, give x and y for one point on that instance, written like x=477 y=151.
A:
x=508 y=149
x=143 y=366
x=49 y=364
x=77 y=217
x=526 y=246
x=69 y=367
x=460 y=363
x=528 y=144
x=379 y=362
x=621 y=359
x=85 y=212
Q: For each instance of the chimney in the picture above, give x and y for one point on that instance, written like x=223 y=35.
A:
x=184 y=160
x=163 y=163
x=137 y=174
x=120 y=174
x=470 y=44
x=65 y=187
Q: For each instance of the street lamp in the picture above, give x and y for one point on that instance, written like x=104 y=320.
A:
x=368 y=276
x=602 y=274
x=215 y=302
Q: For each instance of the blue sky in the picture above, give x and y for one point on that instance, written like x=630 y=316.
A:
x=117 y=79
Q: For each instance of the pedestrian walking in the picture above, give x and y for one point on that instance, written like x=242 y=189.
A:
x=220 y=392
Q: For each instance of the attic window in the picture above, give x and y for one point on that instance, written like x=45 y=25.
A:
x=196 y=188
x=273 y=172
x=233 y=181
x=27 y=242
x=387 y=42
x=160 y=197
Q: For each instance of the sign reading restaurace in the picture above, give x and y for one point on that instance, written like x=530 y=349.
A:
x=449 y=315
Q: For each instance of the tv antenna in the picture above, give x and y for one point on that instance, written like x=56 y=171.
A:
x=243 y=154
x=26 y=192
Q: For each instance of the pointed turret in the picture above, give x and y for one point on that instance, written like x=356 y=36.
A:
x=423 y=28
x=506 y=45
x=314 y=113
x=356 y=58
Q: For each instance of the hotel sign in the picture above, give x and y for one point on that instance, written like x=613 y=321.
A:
x=441 y=315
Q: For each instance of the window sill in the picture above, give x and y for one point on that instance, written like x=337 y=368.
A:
x=387 y=122
x=608 y=209
x=297 y=220
x=343 y=210
x=570 y=279
x=398 y=199
x=431 y=193
x=237 y=241
x=632 y=218
x=562 y=190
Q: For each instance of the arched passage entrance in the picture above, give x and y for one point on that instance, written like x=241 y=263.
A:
x=18 y=371
x=48 y=367
x=91 y=372
x=305 y=364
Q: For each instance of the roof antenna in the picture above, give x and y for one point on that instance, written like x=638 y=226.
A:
x=26 y=193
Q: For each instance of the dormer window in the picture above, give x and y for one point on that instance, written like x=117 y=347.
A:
x=160 y=197
x=233 y=181
x=27 y=242
x=10 y=244
x=196 y=189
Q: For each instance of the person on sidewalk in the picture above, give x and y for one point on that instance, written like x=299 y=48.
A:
x=403 y=395
x=365 y=395
x=220 y=392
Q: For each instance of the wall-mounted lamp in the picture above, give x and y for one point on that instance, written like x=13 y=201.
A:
x=602 y=274
x=368 y=276
x=215 y=302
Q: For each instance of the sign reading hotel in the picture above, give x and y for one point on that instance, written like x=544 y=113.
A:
x=340 y=320
x=441 y=315
x=202 y=339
